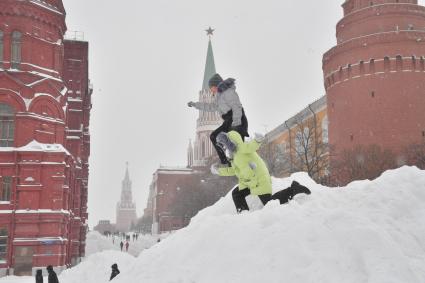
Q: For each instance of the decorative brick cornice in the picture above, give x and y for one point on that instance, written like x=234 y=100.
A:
x=33 y=12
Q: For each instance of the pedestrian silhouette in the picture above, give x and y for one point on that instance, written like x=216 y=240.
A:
x=115 y=271
x=53 y=278
x=39 y=276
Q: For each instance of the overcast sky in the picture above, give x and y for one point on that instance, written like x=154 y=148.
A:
x=147 y=60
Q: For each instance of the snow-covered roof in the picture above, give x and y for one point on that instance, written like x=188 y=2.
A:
x=38 y=147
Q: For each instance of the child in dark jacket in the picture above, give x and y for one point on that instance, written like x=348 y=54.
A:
x=115 y=271
x=226 y=102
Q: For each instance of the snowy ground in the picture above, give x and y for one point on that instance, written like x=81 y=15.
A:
x=369 y=231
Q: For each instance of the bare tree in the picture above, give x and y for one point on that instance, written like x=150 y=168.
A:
x=362 y=162
x=311 y=152
x=276 y=157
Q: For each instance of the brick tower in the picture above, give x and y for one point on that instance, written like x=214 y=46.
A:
x=207 y=122
x=126 y=208
x=375 y=76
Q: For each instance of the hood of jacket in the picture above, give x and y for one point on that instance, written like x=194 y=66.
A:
x=226 y=84
x=235 y=137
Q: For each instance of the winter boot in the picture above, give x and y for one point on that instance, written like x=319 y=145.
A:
x=299 y=189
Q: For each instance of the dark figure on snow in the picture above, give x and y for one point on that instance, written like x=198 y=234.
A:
x=39 y=276
x=226 y=102
x=127 y=244
x=53 y=278
x=115 y=271
x=251 y=171
x=121 y=245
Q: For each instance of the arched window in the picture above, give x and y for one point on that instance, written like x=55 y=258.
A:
x=1 y=49
x=16 y=49
x=7 y=125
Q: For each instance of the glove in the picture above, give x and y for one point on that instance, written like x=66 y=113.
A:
x=191 y=104
x=259 y=137
x=214 y=169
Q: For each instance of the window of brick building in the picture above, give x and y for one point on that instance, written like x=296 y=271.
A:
x=5 y=188
x=3 y=245
x=7 y=125
x=16 y=49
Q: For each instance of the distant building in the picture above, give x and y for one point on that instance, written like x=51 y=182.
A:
x=45 y=102
x=126 y=208
x=164 y=188
x=300 y=143
x=105 y=227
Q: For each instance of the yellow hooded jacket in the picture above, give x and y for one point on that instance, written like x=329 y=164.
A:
x=248 y=166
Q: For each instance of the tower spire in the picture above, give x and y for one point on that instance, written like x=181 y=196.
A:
x=209 y=65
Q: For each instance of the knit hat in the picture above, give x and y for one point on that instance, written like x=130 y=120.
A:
x=215 y=80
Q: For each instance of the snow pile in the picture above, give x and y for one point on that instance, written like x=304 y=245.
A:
x=369 y=231
x=97 y=267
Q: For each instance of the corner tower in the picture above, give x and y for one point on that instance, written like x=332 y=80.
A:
x=375 y=76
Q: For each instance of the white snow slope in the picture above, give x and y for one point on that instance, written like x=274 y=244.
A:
x=368 y=231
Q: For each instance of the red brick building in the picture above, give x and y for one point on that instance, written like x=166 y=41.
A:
x=165 y=186
x=45 y=102
x=375 y=76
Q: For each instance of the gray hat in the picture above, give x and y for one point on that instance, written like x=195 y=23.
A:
x=215 y=80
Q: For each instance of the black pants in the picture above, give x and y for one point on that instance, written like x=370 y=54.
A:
x=240 y=201
x=283 y=196
x=227 y=127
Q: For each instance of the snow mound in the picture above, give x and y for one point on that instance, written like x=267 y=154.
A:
x=97 y=267
x=368 y=231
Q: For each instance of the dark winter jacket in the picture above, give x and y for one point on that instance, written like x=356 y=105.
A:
x=53 y=278
x=39 y=276
x=225 y=100
x=115 y=271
